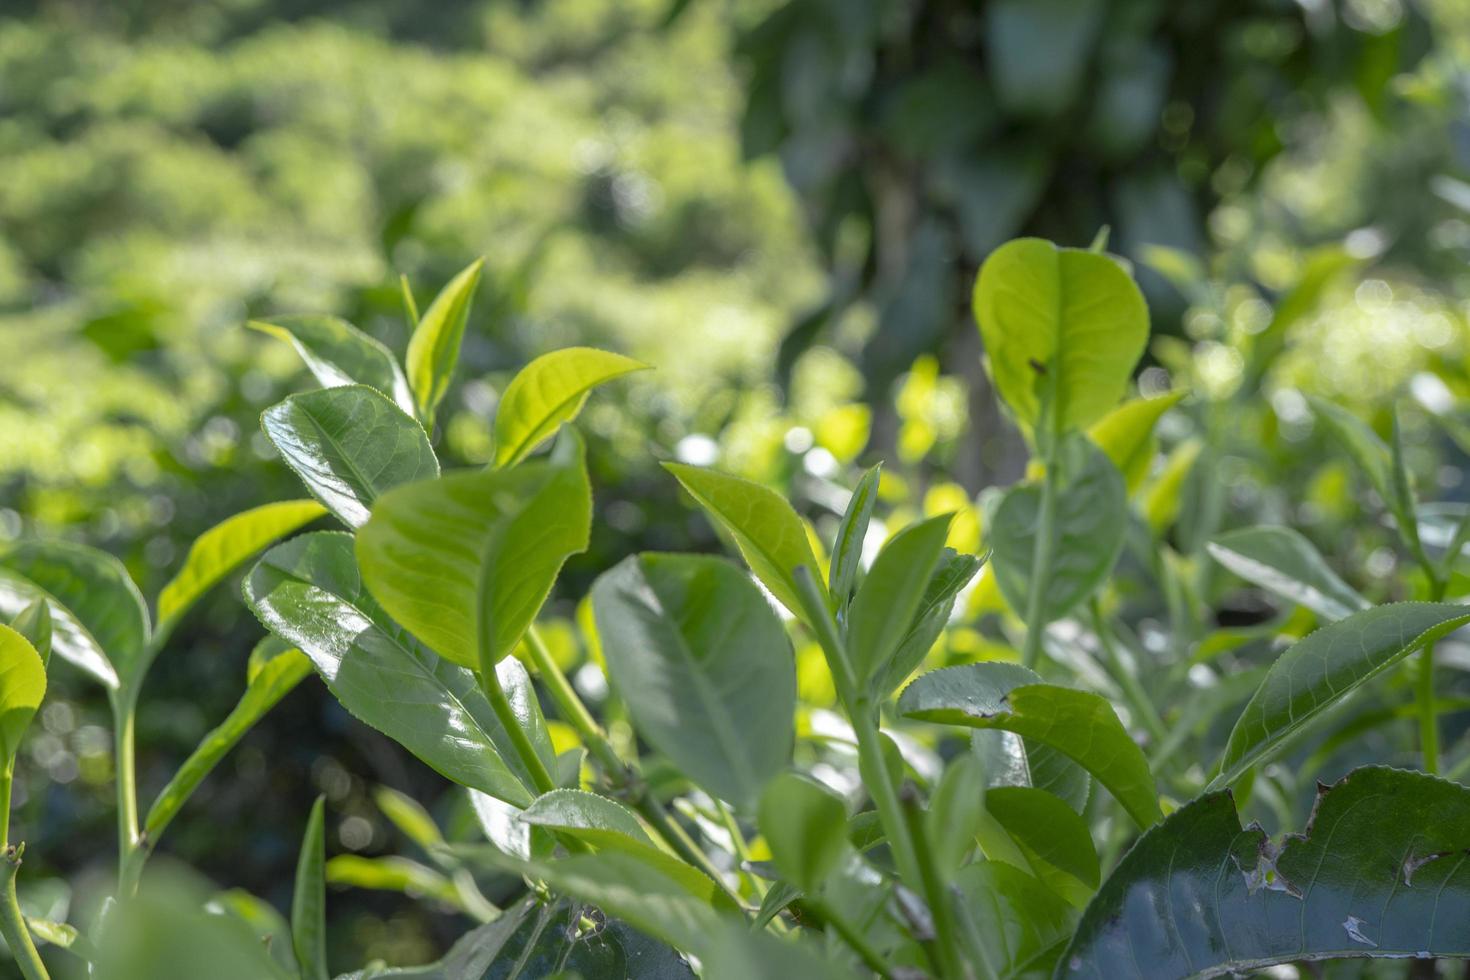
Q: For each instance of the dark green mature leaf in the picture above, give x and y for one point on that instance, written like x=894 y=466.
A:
x=953 y=574
x=704 y=665
x=888 y=599
x=433 y=350
x=768 y=532
x=1087 y=534
x=1323 y=668
x=1038 y=52
x=338 y=354
x=34 y=623
x=274 y=679
x=804 y=823
x=1078 y=723
x=308 y=591
x=1011 y=919
x=225 y=547
x=1050 y=833
x=1063 y=320
x=1381 y=870
x=466 y=561
x=1283 y=562
x=309 y=901
x=549 y=392
x=97 y=592
x=349 y=445
x=22 y=686
x=1011 y=760
x=734 y=952
x=847 y=550
x=471 y=956
x=557 y=940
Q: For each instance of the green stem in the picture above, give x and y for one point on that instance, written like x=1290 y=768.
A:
x=1040 y=569
x=1428 y=713
x=1138 y=700
x=12 y=922
x=850 y=935
x=495 y=694
x=940 y=906
x=742 y=849
x=125 y=709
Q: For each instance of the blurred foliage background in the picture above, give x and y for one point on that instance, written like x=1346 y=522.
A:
x=780 y=204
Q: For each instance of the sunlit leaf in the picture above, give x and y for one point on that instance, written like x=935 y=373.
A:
x=337 y=353
x=309 y=900
x=847 y=549
x=1126 y=435
x=1283 y=562
x=22 y=686
x=549 y=392
x=433 y=350
x=883 y=610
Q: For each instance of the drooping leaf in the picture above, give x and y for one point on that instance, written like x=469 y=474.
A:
x=804 y=823
x=308 y=591
x=100 y=596
x=954 y=572
x=22 y=686
x=470 y=558
x=70 y=639
x=1381 y=870
x=1087 y=533
x=349 y=445
x=275 y=678
x=433 y=350
x=1063 y=320
x=1049 y=832
x=34 y=623
x=1080 y=724
x=337 y=354
x=704 y=665
x=1011 y=760
x=309 y=900
x=883 y=609
x=768 y=532
x=1323 y=668
x=1285 y=563
x=549 y=392
x=1018 y=925
x=1126 y=435
x=225 y=547
x=847 y=549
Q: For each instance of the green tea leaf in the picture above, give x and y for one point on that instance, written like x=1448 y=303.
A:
x=308 y=591
x=22 y=686
x=309 y=901
x=34 y=623
x=1372 y=457
x=770 y=536
x=1285 y=563
x=549 y=392
x=470 y=558
x=100 y=596
x=1051 y=834
x=1011 y=760
x=349 y=445
x=224 y=547
x=433 y=350
x=954 y=572
x=883 y=610
x=409 y=816
x=847 y=550
x=1379 y=871
x=555 y=940
x=275 y=678
x=704 y=665
x=805 y=825
x=393 y=874
x=337 y=354
x=1063 y=320
x=1087 y=533
x=473 y=956
x=70 y=639
x=1079 y=724
x=955 y=810
x=1323 y=668
x=1126 y=435
x=1018 y=925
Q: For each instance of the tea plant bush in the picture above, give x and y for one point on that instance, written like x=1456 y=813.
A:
x=1066 y=803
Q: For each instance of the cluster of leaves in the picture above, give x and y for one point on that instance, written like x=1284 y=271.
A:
x=843 y=846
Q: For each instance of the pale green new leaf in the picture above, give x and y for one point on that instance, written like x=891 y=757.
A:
x=1126 y=435
x=309 y=901
x=34 y=623
x=349 y=445
x=549 y=392
x=467 y=560
x=337 y=353
x=1079 y=724
x=704 y=665
x=22 y=686
x=409 y=816
x=224 y=547
x=1067 y=320
x=883 y=609
x=1285 y=563
x=847 y=549
x=433 y=350
x=391 y=873
x=1323 y=668
x=768 y=532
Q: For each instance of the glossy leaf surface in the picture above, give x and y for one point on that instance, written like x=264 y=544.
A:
x=883 y=610
x=70 y=639
x=433 y=350
x=338 y=354
x=1285 y=563
x=549 y=392
x=22 y=686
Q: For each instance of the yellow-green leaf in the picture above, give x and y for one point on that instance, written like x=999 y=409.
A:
x=1126 y=435
x=22 y=685
x=548 y=392
x=433 y=350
